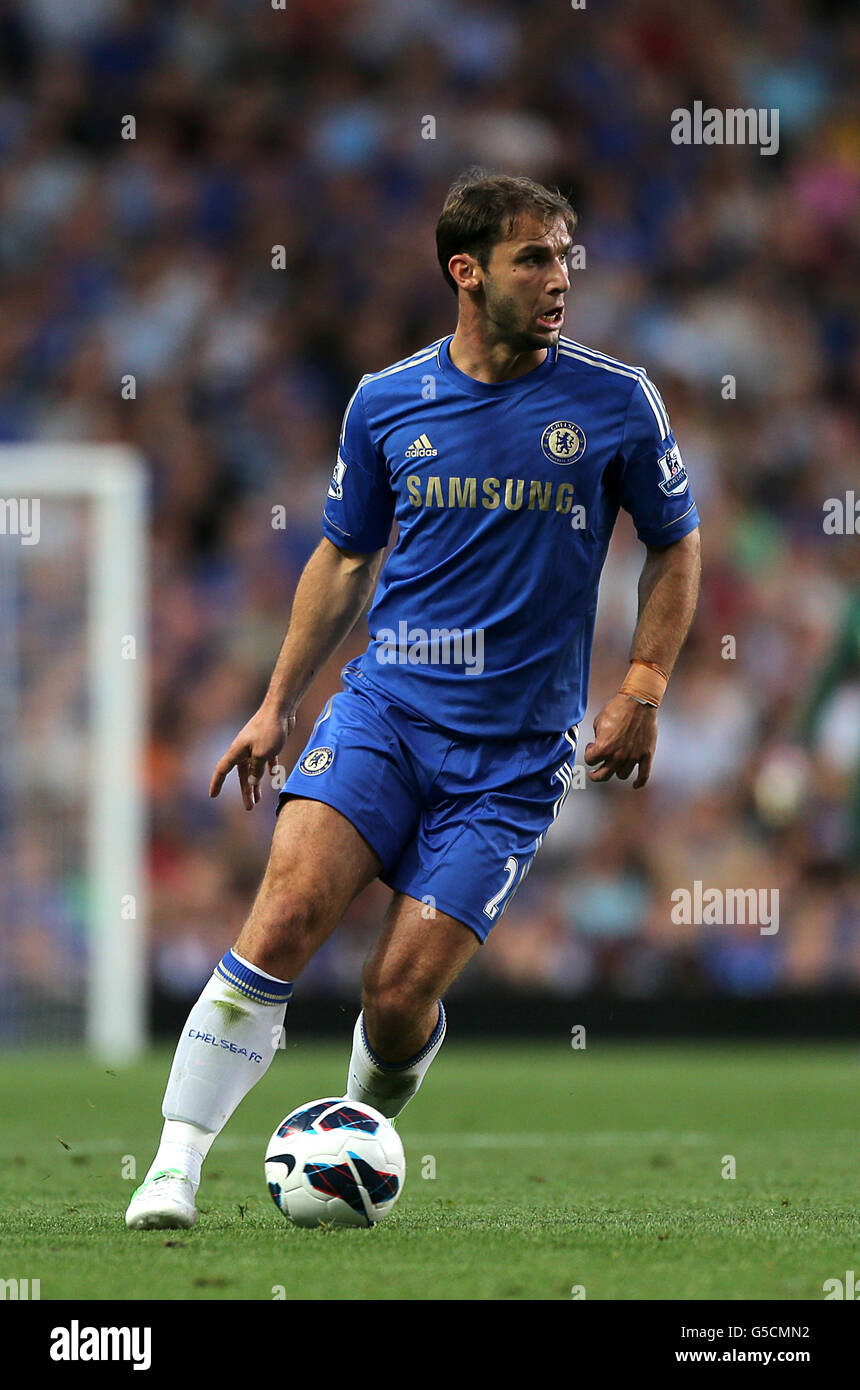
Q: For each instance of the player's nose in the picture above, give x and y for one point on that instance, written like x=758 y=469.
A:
x=559 y=279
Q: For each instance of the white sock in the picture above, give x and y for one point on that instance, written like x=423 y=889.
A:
x=389 y=1086
x=182 y=1146
x=227 y=1044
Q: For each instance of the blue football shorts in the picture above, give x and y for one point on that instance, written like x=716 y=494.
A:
x=456 y=822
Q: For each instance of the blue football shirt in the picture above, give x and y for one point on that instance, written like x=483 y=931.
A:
x=505 y=496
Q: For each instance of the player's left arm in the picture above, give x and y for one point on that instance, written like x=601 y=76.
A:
x=625 y=730
x=651 y=484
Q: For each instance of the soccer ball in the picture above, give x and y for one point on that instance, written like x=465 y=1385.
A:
x=335 y=1162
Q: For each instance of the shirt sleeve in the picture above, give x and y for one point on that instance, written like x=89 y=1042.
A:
x=360 y=504
x=653 y=484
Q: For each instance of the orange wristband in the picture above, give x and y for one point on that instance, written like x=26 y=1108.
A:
x=646 y=682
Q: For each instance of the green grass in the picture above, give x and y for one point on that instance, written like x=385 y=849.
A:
x=554 y=1168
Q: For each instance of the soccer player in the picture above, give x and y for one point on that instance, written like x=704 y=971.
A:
x=503 y=452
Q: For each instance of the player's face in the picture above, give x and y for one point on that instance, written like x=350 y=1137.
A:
x=525 y=285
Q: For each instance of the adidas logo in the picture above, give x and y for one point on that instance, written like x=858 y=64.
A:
x=421 y=448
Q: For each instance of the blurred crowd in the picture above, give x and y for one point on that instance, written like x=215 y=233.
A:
x=233 y=204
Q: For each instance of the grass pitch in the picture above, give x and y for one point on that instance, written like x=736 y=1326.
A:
x=554 y=1169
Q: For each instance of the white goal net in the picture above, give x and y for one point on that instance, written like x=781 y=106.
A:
x=72 y=700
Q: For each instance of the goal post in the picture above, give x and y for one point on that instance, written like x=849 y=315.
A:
x=36 y=481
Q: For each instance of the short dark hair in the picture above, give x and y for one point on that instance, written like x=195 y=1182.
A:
x=481 y=209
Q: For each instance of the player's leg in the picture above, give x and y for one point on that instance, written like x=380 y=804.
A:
x=479 y=831
x=401 y=1027
x=317 y=864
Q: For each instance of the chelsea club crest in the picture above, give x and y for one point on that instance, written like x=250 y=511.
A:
x=316 y=761
x=563 y=442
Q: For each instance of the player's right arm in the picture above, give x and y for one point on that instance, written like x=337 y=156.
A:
x=331 y=594
x=334 y=587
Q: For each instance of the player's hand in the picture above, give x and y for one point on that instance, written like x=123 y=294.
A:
x=625 y=735
x=254 y=748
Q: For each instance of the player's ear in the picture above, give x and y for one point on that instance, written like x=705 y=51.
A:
x=464 y=271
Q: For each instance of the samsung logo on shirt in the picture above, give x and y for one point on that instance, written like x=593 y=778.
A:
x=514 y=494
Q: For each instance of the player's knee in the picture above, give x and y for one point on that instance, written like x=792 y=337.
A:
x=285 y=929
x=390 y=1010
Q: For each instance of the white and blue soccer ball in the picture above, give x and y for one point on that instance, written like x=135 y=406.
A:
x=335 y=1162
